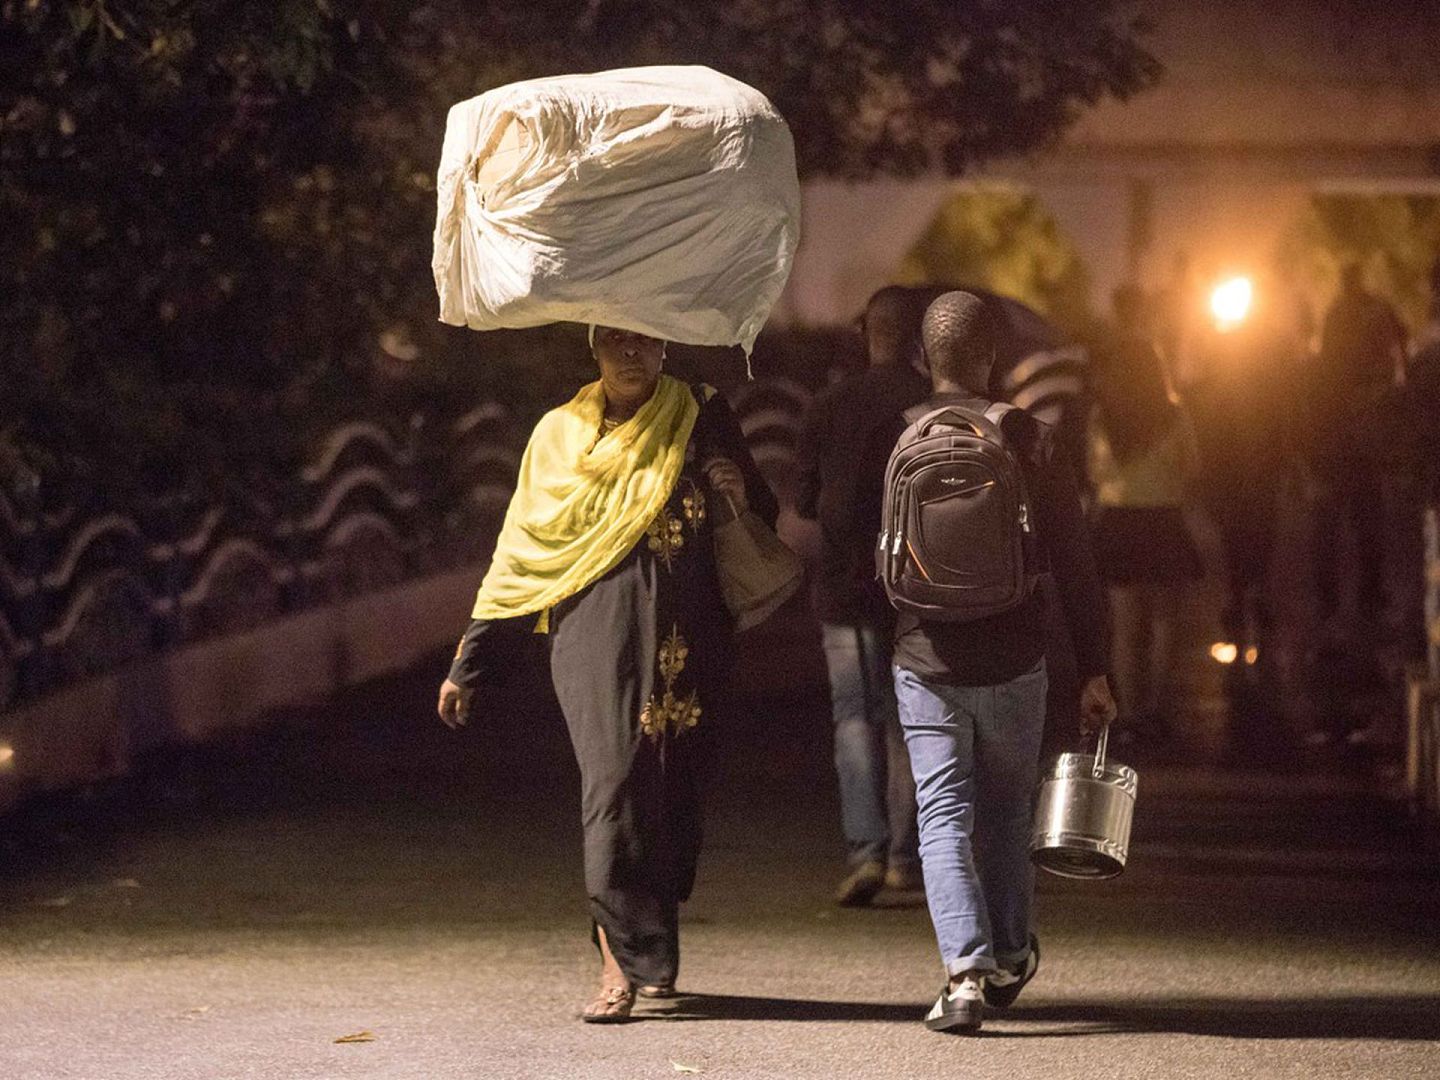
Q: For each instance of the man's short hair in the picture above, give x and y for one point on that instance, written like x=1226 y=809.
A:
x=959 y=337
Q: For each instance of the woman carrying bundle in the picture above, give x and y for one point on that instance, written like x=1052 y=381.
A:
x=608 y=545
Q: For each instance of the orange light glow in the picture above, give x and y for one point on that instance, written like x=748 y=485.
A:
x=1224 y=652
x=1230 y=302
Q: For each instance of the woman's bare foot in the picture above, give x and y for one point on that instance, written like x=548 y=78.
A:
x=612 y=1005
x=615 y=999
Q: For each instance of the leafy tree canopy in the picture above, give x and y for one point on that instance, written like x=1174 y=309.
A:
x=1006 y=241
x=215 y=214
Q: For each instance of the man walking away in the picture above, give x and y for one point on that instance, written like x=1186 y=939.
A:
x=1362 y=353
x=972 y=693
x=877 y=794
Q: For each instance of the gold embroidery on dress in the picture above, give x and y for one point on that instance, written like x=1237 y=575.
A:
x=668 y=712
x=666 y=533
x=693 y=505
x=667 y=536
x=674 y=650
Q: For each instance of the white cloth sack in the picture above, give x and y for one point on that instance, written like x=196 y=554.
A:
x=662 y=200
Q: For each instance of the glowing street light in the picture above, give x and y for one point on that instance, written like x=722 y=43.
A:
x=1230 y=302
x=1224 y=652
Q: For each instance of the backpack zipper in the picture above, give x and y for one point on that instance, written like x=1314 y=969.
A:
x=918 y=564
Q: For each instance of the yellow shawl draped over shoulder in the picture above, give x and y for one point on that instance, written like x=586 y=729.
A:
x=583 y=499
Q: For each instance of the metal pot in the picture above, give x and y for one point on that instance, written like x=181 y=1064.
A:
x=1083 y=813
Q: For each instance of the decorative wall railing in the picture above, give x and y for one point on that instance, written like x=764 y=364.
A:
x=86 y=587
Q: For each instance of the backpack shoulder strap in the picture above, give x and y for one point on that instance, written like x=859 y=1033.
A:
x=1039 y=444
x=998 y=411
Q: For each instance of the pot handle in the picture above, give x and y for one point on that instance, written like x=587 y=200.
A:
x=1102 y=743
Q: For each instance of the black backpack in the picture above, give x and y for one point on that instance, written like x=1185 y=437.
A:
x=956 y=542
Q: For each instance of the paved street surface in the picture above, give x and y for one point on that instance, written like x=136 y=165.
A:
x=231 y=912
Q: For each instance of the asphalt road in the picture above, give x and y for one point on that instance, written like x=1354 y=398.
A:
x=231 y=912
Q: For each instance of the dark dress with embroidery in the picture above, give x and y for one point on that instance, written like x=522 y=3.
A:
x=639 y=658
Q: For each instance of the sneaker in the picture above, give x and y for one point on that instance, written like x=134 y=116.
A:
x=958 y=1009
x=904 y=877
x=860 y=887
x=1003 y=987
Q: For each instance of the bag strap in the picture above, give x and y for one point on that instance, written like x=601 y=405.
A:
x=997 y=411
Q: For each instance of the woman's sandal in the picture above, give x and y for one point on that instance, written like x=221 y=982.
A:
x=612 y=1005
x=658 y=990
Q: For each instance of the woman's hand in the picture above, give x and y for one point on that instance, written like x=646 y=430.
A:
x=727 y=479
x=454 y=706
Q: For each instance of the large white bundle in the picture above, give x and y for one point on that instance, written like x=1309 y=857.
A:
x=660 y=199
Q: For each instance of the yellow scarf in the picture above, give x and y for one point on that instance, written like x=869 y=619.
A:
x=583 y=499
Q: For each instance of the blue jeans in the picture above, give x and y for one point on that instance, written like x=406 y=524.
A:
x=877 y=795
x=975 y=751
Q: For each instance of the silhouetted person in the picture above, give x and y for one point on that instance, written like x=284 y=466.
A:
x=1142 y=456
x=877 y=794
x=1430 y=333
x=1413 y=432
x=1361 y=357
x=972 y=695
x=1422 y=398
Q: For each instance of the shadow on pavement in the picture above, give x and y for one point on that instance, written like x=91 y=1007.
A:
x=1412 y=1018
x=734 y=1007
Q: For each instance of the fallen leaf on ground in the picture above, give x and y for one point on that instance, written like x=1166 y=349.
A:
x=685 y=1068
x=359 y=1036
